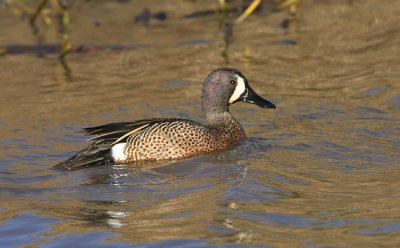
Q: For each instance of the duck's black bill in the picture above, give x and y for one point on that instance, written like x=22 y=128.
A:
x=251 y=97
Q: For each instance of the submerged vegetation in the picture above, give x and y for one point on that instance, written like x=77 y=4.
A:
x=45 y=14
x=227 y=24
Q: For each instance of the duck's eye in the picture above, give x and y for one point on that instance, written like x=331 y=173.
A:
x=233 y=82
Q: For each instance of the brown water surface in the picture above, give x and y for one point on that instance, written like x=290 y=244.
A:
x=321 y=170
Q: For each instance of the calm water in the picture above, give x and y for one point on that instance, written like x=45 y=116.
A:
x=322 y=170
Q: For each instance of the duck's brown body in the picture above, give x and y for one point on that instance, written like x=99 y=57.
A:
x=179 y=138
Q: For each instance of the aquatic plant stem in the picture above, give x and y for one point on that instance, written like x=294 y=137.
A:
x=32 y=20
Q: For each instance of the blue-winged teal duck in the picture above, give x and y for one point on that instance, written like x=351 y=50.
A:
x=172 y=138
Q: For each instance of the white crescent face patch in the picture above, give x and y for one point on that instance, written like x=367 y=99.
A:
x=239 y=90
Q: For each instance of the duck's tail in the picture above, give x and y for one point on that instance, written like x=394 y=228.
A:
x=95 y=154
x=105 y=136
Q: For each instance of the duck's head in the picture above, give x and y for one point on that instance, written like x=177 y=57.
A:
x=225 y=86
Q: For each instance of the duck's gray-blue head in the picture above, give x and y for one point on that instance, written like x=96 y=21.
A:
x=225 y=86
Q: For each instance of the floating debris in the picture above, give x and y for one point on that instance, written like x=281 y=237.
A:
x=145 y=16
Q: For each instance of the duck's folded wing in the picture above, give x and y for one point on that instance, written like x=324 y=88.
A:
x=105 y=136
x=115 y=131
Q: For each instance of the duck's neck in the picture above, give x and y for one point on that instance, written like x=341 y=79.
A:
x=219 y=121
x=225 y=127
x=213 y=105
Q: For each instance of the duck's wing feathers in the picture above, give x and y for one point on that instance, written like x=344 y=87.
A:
x=114 y=131
x=105 y=136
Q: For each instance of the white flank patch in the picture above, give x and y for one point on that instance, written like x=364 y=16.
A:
x=239 y=90
x=118 y=152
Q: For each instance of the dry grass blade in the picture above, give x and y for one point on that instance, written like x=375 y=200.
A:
x=248 y=11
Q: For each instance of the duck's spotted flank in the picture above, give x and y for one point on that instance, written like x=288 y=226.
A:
x=172 y=138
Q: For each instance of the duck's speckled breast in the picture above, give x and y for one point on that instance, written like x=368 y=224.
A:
x=226 y=130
